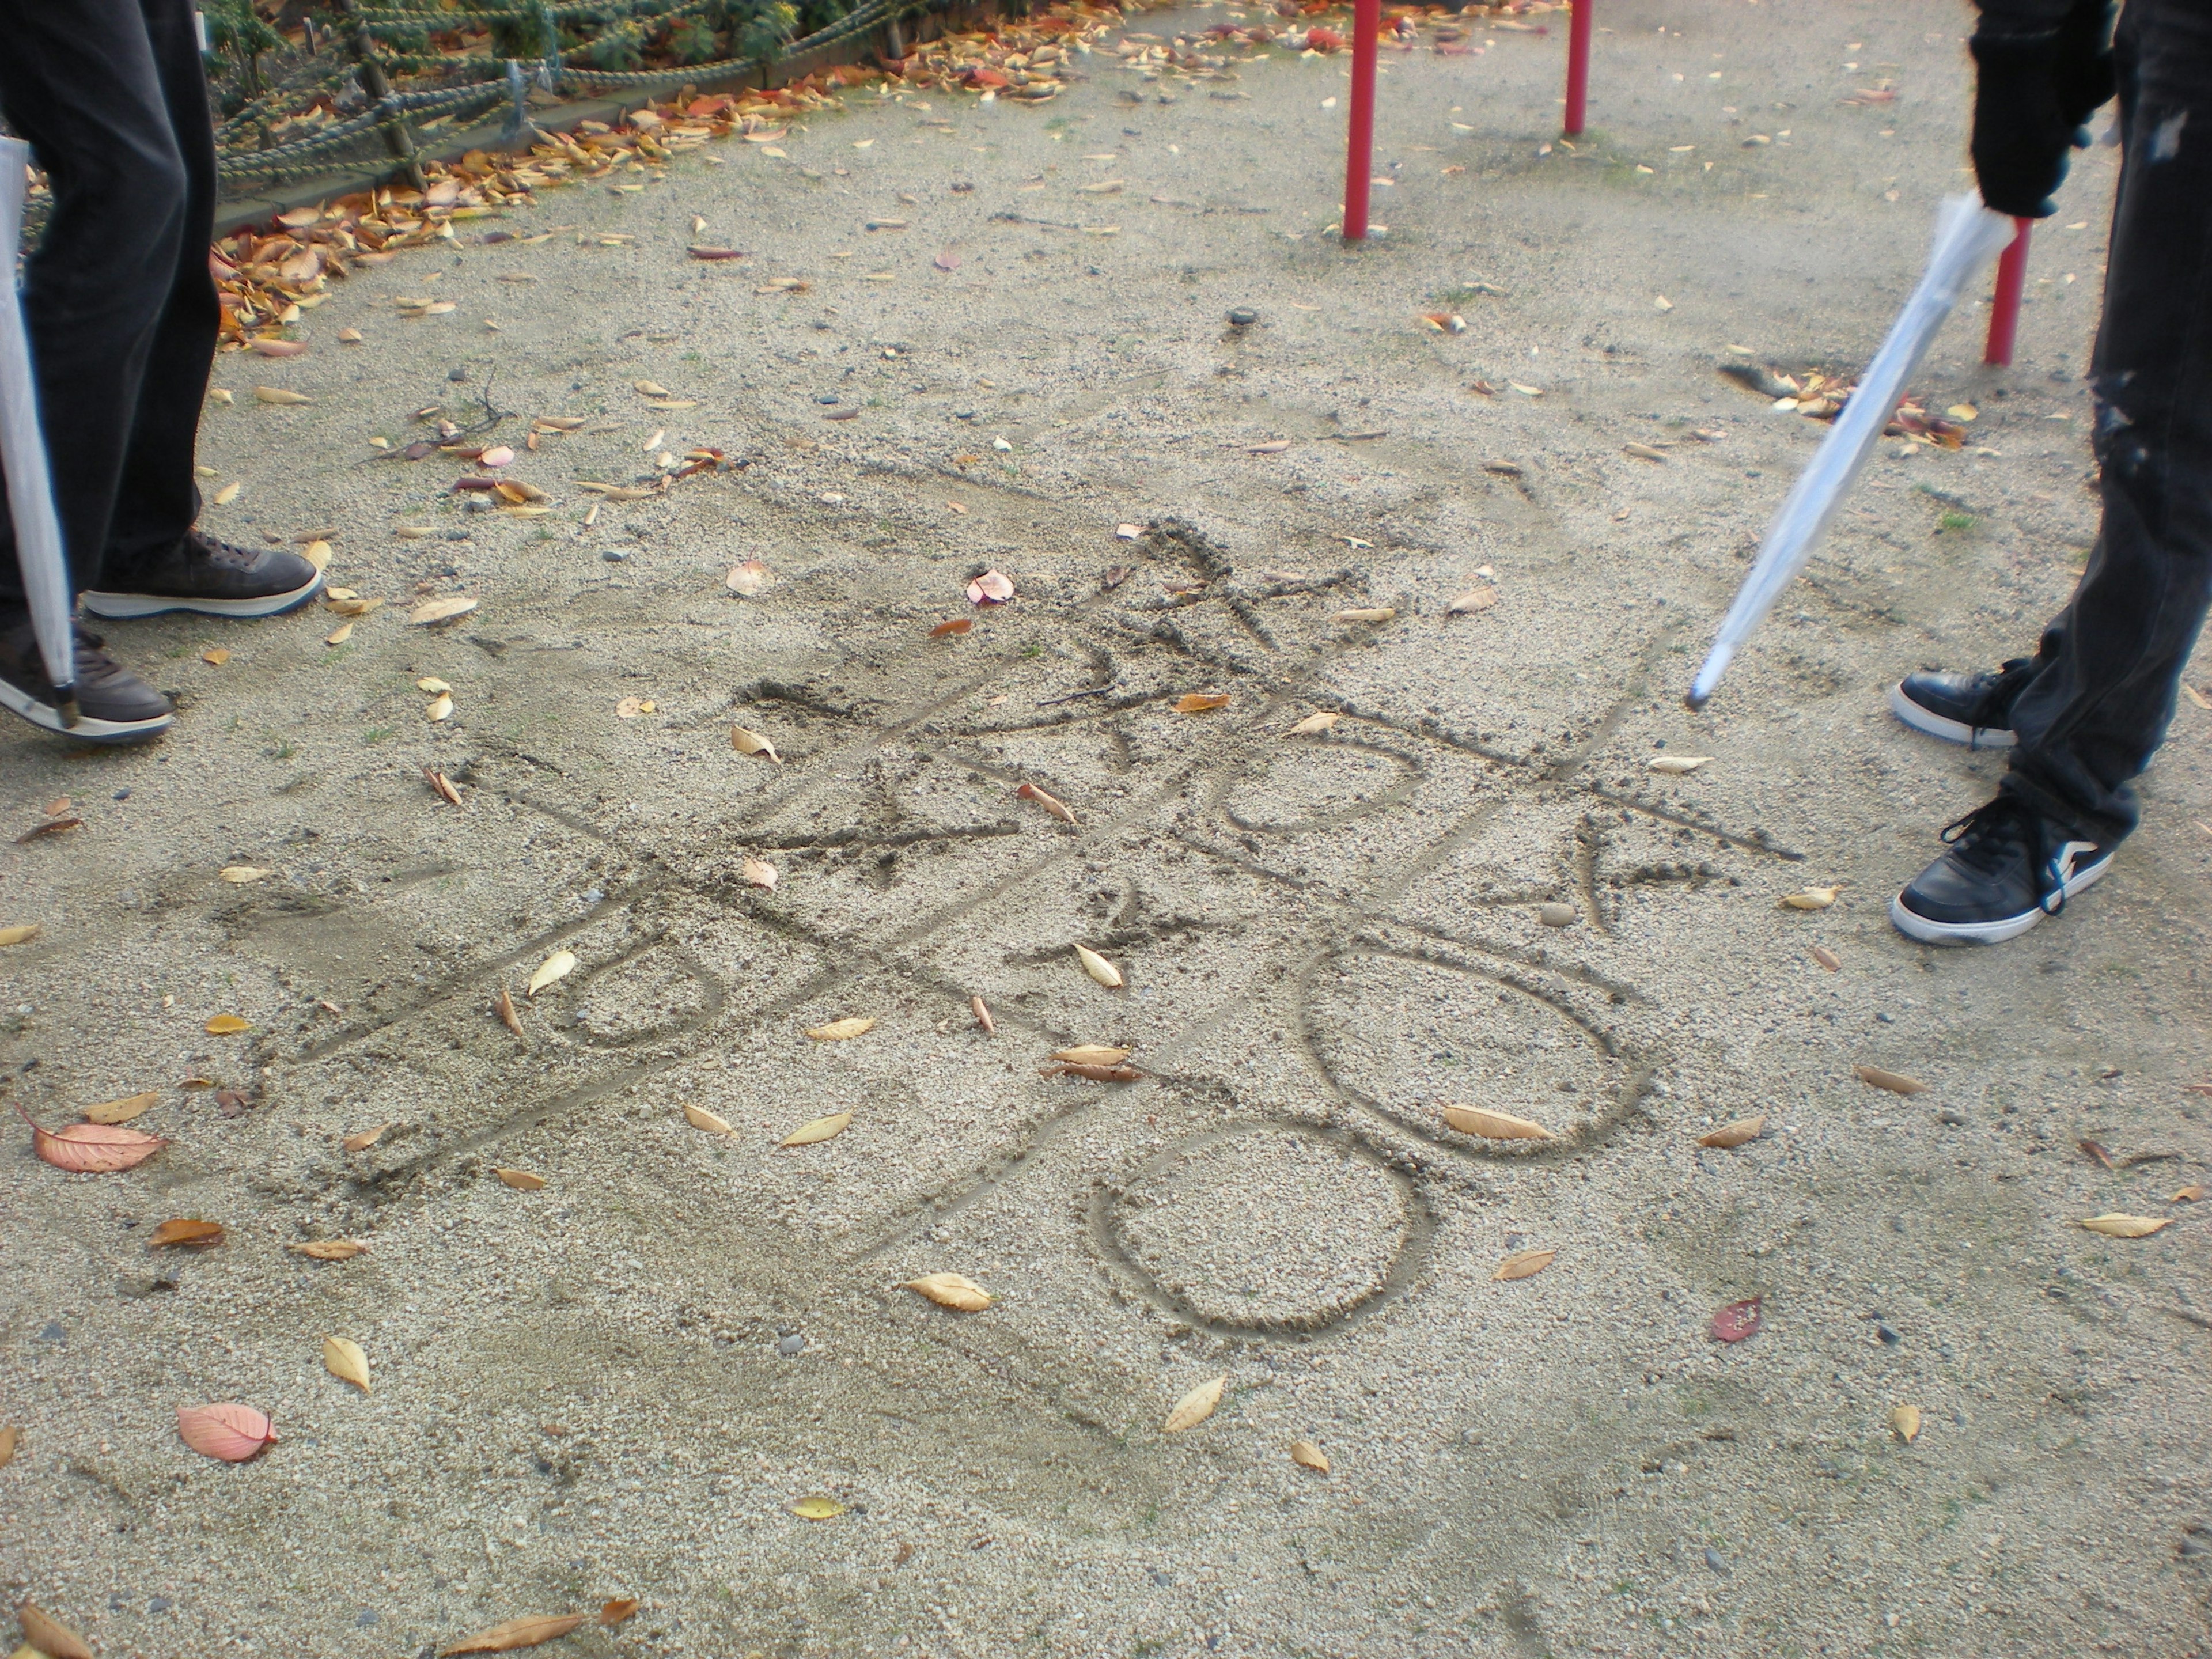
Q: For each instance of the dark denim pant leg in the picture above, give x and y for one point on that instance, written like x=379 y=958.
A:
x=2110 y=662
x=90 y=84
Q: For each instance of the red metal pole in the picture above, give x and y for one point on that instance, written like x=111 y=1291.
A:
x=1579 y=40
x=1359 y=143
x=2004 y=306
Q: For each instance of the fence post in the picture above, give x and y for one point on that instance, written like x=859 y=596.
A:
x=2004 y=304
x=397 y=138
x=1359 y=137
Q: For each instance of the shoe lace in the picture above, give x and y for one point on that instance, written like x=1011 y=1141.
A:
x=222 y=552
x=2006 y=683
x=1998 y=835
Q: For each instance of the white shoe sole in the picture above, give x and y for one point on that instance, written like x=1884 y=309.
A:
x=1951 y=731
x=1913 y=924
x=119 y=606
x=87 y=729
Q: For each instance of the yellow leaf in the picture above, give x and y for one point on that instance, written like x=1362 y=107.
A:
x=700 y=1118
x=22 y=933
x=2189 y=1196
x=1366 y=613
x=1905 y=1423
x=328 y=1250
x=1963 y=412
x=362 y=1139
x=274 y=394
x=1098 y=967
x=318 y=554
x=228 y=1025
x=1675 y=765
x=747 y=742
x=48 y=1637
x=1735 y=1133
x=1474 y=600
x=1090 y=1054
x=123 y=1110
x=1812 y=898
x=1195 y=1408
x=1306 y=1455
x=807 y=1134
x=431 y=684
x=1494 y=1126
x=440 y=708
x=837 y=1030
x=950 y=1290
x=240 y=874
x=818 y=1509
x=9 y=1438
x=558 y=966
x=1313 y=723
x=1198 y=703
x=444 y=610
x=2115 y=1225
x=228 y=493
x=520 y=1180
x=1896 y=1082
x=652 y=389
x=1524 y=1264
x=345 y=1361
x=215 y=656
x=518 y=1633
x=339 y=635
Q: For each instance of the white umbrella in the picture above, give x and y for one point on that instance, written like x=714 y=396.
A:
x=23 y=453
x=1967 y=235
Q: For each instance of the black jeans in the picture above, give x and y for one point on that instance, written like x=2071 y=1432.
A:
x=120 y=303
x=2110 y=662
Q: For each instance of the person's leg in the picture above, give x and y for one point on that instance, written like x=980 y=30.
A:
x=78 y=80
x=2096 y=711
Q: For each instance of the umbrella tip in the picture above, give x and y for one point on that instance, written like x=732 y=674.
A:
x=65 y=706
x=1694 y=699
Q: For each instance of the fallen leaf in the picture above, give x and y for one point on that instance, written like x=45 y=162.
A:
x=227 y=1431
x=9 y=1439
x=219 y=395
x=1308 y=1456
x=991 y=587
x=227 y=493
x=613 y=1612
x=1494 y=1126
x=499 y=455
x=1905 y=1423
x=52 y=827
x=822 y=1129
x=362 y=1139
x=92 y=1148
x=2096 y=1153
x=1526 y=390
x=757 y=872
x=698 y=252
x=1052 y=804
x=1090 y=1054
x=1827 y=958
x=503 y=1006
x=957 y=625
x=1273 y=446
x=818 y=1509
x=350 y=337
x=1644 y=451
x=2117 y=1225
x=1963 y=412
x=23 y=934
x=328 y=1250
x=1365 y=613
x=431 y=684
x=240 y=874
x=1676 y=765
x=443 y=784
x=521 y=1180
x=339 y=635
x=182 y=1233
x=518 y=1633
x=442 y=610
x=1738 y=1321
x=1474 y=600
x=1195 y=1408
x=630 y=707
x=652 y=389
x=1524 y=1264
x=1313 y=723
x=275 y=394
x=752 y=742
x=123 y=1110
x=345 y=1361
x=1198 y=703
x=748 y=578
x=1812 y=898
x=982 y=1012
x=49 y=1637
x=557 y=967
x=2188 y=1195
x=1896 y=1082
x=1736 y=1133
x=950 y=1290
x=2195 y=695
x=1098 y=967
x=837 y=1030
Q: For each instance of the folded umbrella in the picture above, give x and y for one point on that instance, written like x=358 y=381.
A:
x=23 y=455
x=1967 y=234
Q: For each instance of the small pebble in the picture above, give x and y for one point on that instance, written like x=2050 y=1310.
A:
x=122 y=794
x=2192 y=1544
x=158 y=1604
x=614 y=556
x=1556 y=914
x=1951 y=1116
x=1244 y=317
x=826 y=397
x=1716 y=1560
x=1890 y=1338
x=791 y=1345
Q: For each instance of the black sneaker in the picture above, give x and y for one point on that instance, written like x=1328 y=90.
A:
x=113 y=705
x=1975 y=709
x=214 y=579
x=2007 y=868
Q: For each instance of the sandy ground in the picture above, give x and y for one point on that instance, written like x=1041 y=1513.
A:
x=619 y=1384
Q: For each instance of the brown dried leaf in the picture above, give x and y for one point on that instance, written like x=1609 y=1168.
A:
x=123 y=1110
x=503 y=1006
x=1494 y=1126
x=521 y=1180
x=2117 y=1225
x=1827 y=958
x=652 y=389
x=362 y=1139
x=441 y=609
x=443 y=784
x=822 y=1129
x=1524 y=1264
x=518 y=1633
x=1896 y=1082
x=700 y=1118
x=1273 y=446
x=747 y=742
x=1365 y=613
x=1195 y=1408
x=274 y=394
x=1198 y=703
x=950 y=1290
x=838 y=1031
x=2096 y=1153
x=748 y=578
x=1812 y=898
x=227 y=1431
x=92 y=1148
x=1098 y=967
x=51 y=1638
x=1905 y=1423
x=1313 y=723
x=195 y=1235
x=555 y=967
x=2189 y=1196
x=1308 y=1456
x=957 y=625
x=215 y=656
x=51 y=827
x=328 y=1250
x=613 y=1612
x=1644 y=451
x=757 y=873
x=1474 y=600
x=10 y=1437
x=1052 y=804
x=1091 y=1053
x=346 y=1361
x=1736 y=1133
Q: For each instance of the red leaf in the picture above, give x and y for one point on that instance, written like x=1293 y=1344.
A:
x=226 y=1431
x=93 y=1148
x=991 y=587
x=1738 y=1321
